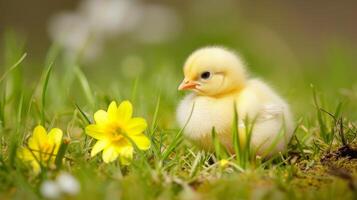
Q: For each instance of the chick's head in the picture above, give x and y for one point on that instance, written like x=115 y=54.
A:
x=213 y=71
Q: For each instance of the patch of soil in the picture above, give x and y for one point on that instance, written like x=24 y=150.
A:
x=341 y=163
x=342 y=159
x=344 y=152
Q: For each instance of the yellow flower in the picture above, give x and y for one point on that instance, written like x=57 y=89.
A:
x=223 y=163
x=116 y=131
x=41 y=148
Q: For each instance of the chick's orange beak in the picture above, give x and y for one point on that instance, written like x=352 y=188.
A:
x=187 y=85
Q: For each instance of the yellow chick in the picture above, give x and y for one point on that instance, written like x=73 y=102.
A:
x=219 y=80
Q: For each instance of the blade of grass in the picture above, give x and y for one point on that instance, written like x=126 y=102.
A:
x=235 y=132
x=154 y=120
x=83 y=114
x=14 y=143
x=52 y=54
x=44 y=91
x=61 y=153
x=3 y=165
x=134 y=90
x=275 y=142
x=216 y=144
x=177 y=139
x=338 y=110
x=249 y=132
x=2 y=108
x=220 y=149
x=342 y=133
x=85 y=86
x=153 y=127
x=13 y=67
x=299 y=145
x=3 y=98
x=19 y=112
x=196 y=165
x=322 y=124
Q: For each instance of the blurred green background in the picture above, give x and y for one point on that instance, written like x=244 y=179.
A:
x=290 y=44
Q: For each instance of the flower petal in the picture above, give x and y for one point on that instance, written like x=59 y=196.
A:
x=109 y=154
x=101 y=117
x=112 y=111
x=126 y=155
x=39 y=136
x=28 y=158
x=141 y=141
x=96 y=131
x=98 y=147
x=55 y=137
x=125 y=111
x=136 y=126
x=24 y=154
x=35 y=167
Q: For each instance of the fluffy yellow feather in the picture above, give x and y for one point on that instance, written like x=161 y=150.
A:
x=219 y=80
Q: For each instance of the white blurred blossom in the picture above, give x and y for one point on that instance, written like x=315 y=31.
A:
x=50 y=190
x=84 y=31
x=73 y=33
x=69 y=30
x=68 y=184
x=110 y=17
x=65 y=184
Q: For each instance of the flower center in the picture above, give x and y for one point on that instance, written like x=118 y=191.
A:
x=118 y=134
x=46 y=147
x=46 y=151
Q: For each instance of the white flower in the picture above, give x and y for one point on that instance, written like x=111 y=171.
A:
x=82 y=33
x=50 y=189
x=64 y=184
x=68 y=184
x=110 y=17
x=69 y=30
x=73 y=33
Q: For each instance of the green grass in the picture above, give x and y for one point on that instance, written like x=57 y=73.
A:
x=67 y=94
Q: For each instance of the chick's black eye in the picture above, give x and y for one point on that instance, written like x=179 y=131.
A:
x=205 y=75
